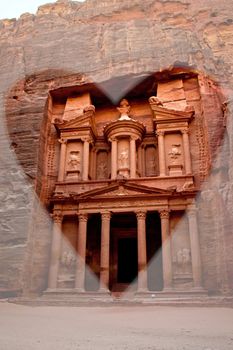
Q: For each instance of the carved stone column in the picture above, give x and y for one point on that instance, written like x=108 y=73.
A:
x=55 y=249
x=195 y=246
x=104 y=254
x=114 y=159
x=142 y=257
x=166 y=249
x=162 y=160
x=140 y=161
x=93 y=161
x=86 y=151
x=143 y=161
x=81 y=253
x=132 y=157
x=62 y=162
x=187 y=156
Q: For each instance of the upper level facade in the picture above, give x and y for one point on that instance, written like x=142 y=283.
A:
x=149 y=138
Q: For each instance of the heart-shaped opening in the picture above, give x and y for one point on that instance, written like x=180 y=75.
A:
x=118 y=165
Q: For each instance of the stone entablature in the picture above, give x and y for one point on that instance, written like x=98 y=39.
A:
x=179 y=183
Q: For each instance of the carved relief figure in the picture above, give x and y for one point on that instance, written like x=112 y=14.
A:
x=102 y=171
x=183 y=259
x=151 y=167
x=150 y=161
x=124 y=158
x=68 y=259
x=175 y=152
x=74 y=161
x=102 y=165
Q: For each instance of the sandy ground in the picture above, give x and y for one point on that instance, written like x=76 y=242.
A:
x=152 y=328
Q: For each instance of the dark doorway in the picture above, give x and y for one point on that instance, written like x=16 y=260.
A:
x=127 y=260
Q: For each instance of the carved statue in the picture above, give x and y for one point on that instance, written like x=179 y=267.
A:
x=183 y=258
x=156 y=101
x=89 y=108
x=151 y=166
x=102 y=171
x=123 y=158
x=74 y=161
x=175 y=151
x=124 y=110
x=68 y=259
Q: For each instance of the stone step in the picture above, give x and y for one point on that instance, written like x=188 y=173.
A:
x=111 y=302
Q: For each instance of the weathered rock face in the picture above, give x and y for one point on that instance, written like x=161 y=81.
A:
x=71 y=43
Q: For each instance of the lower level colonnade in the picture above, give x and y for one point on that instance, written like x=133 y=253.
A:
x=142 y=275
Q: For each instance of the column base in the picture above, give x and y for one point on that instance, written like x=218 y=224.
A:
x=51 y=290
x=198 y=289
x=142 y=292
x=104 y=291
x=79 y=290
x=168 y=290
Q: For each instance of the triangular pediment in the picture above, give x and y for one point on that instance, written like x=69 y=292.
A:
x=123 y=191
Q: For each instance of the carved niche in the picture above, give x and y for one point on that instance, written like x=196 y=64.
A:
x=74 y=161
x=151 y=161
x=174 y=154
x=102 y=165
x=123 y=157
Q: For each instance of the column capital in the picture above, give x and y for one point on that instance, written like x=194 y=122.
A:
x=164 y=213
x=185 y=131
x=83 y=217
x=106 y=215
x=62 y=141
x=133 y=138
x=160 y=132
x=140 y=214
x=192 y=210
x=86 y=139
x=112 y=139
x=57 y=216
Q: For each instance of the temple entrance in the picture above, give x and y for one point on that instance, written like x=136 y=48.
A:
x=123 y=251
x=127 y=260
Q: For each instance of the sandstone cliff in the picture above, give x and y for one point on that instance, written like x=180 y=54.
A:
x=99 y=40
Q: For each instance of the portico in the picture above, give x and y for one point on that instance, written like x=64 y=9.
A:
x=126 y=221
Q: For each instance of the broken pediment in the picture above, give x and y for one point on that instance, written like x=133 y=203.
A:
x=83 y=121
x=164 y=114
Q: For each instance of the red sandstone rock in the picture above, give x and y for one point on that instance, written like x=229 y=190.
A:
x=69 y=44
